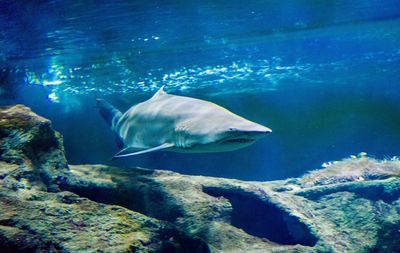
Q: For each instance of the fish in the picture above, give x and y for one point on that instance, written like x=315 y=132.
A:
x=178 y=124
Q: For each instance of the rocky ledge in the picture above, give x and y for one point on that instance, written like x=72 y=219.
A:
x=351 y=205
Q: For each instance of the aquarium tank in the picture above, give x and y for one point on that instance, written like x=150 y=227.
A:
x=319 y=80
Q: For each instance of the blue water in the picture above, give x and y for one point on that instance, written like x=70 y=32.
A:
x=324 y=75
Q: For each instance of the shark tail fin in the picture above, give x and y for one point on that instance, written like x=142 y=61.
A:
x=109 y=113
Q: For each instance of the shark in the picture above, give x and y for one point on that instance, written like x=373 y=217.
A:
x=178 y=124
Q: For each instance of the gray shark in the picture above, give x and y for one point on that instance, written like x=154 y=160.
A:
x=178 y=124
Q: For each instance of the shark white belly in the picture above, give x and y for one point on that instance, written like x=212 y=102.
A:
x=179 y=124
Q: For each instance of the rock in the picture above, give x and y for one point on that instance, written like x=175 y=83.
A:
x=29 y=140
x=37 y=217
x=353 y=169
x=237 y=216
x=351 y=205
x=36 y=221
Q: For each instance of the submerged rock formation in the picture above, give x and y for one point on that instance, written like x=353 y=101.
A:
x=349 y=206
x=37 y=216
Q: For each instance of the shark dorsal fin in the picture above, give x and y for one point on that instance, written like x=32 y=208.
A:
x=133 y=151
x=160 y=92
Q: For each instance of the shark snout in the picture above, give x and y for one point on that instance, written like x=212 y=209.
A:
x=264 y=130
x=257 y=133
x=257 y=130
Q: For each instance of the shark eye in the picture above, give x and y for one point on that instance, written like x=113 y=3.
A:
x=232 y=129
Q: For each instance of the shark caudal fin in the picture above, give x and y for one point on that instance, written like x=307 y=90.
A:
x=111 y=115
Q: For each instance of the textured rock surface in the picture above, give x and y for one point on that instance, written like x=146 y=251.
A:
x=35 y=221
x=29 y=141
x=35 y=216
x=341 y=213
x=349 y=206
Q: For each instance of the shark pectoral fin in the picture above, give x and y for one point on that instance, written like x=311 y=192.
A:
x=124 y=152
x=131 y=151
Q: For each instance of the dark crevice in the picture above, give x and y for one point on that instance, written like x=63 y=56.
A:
x=264 y=219
x=8 y=222
x=11 y=247
x=388 y=238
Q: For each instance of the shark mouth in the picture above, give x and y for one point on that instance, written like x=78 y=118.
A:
x=238 y=140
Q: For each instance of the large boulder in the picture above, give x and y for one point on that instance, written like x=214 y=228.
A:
x=28 y=140
x=351 y=205
x=36 y=216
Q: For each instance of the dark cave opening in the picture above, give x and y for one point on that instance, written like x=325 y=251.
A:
x=264 y=219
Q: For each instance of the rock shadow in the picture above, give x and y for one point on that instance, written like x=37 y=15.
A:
x=264 y=219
